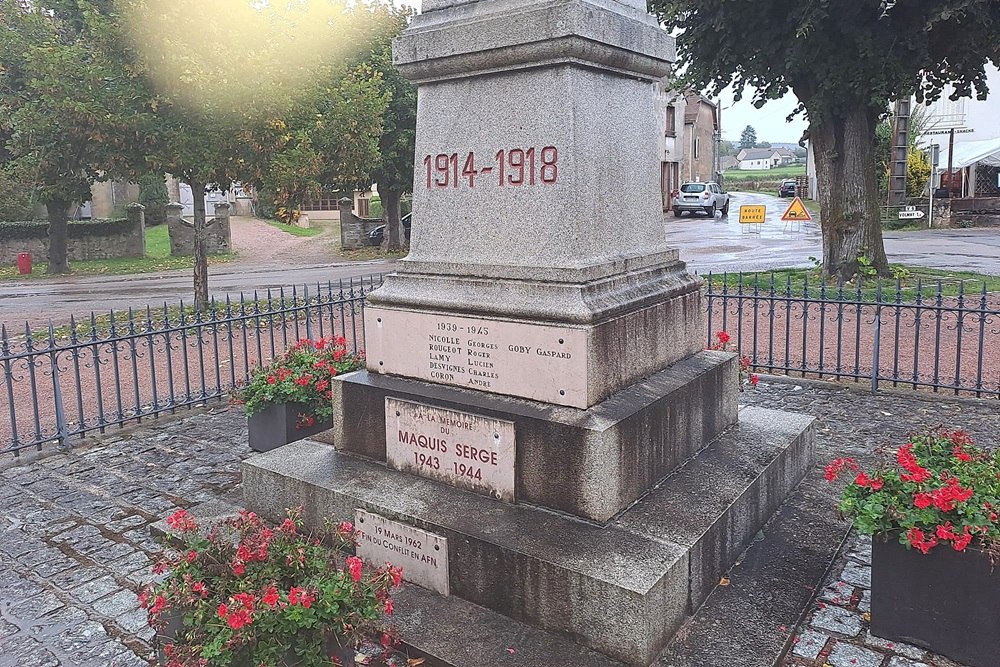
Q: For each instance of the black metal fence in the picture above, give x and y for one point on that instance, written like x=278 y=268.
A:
x=62 y=383
x=943 y=336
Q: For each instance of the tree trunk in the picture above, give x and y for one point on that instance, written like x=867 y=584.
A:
x=200 y=256
x=58 y=213
x=846 y=178
x=390 y=203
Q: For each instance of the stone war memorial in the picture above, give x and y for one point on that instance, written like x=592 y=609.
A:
x=540 y=439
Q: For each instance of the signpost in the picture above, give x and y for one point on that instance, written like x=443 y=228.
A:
x=910 y=213
x=796 y=213
x=752 y=215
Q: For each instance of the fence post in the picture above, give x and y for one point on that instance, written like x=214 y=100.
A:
x=878 y=337
x=57 y=398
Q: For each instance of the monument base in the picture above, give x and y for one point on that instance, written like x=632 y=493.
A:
x=589 y=463
x=622 y=588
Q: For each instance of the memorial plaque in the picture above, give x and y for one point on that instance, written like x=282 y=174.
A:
x=422 y=555
x=543 y=363
x=458 y=448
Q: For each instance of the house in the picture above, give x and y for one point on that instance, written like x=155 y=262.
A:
x=759 y=159
x=787 y=156
x=670 y=140
x=702 y=130
x=727 y=162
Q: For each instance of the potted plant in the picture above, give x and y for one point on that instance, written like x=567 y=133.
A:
x=290 y=398
x=245 y=593
x=934 y=515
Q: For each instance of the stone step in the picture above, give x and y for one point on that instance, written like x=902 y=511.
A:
x=590 y=463
x=622 y=588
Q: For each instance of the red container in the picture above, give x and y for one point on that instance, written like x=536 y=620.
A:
x=24 y=263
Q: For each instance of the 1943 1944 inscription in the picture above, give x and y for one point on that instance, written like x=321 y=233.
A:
x=469 y=451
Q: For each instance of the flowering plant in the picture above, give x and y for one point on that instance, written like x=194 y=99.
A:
x=251 y=594
x=747 y=379
x=942 y=489
x=302 y=374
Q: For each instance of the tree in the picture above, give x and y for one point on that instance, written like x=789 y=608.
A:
x=394 y=173
x=749 y=137
x=727 y=148
x=154 y=196
x=234 y=104
x=72 y=111
x=845 y=60
x=764 y=144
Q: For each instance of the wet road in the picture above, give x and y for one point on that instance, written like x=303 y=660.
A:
x=719 y=244
x=723 y=244
x=40 y=300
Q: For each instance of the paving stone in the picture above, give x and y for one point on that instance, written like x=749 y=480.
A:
x=907 y=650
x=809 y=644
x=35 y=606
x=24 y=651
x=117 y=605
x=857 y=574
x=61 y=563
x=74 y=578
x=897 y=661
x=112 y=553
x=862 y=553
x=95 y=589
x=865 y=603
x=838 y=620
x=839 y=592
x=134 y=622
x=848 y=655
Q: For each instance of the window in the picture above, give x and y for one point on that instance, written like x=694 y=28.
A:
x=697 y=147
x=671 y=121
x=692 y=188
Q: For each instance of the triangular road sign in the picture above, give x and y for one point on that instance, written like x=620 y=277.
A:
x=796 y=212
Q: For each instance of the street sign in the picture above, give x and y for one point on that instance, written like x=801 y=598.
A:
x=796 y=212
x=752 y=215
x=910 y=214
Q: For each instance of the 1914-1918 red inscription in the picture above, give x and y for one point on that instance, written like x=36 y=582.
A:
x=514 y=167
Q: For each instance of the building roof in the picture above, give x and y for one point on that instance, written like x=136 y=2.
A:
x=758 y=153
x=691 y=109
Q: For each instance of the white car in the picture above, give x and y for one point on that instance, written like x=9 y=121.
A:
x=703 y=197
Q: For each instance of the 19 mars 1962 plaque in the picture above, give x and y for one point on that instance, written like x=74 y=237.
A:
x=422 y=555
x=540 y=362
x=459 y=448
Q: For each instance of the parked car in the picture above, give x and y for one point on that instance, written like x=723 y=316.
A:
x=377 y=235
x=706 y=197
x=787 y=189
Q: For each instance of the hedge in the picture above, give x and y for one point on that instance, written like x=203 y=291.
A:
x=76 y=229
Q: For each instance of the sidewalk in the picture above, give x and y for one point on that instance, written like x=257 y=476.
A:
x=75 y=547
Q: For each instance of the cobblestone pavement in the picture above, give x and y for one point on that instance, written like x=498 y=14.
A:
x=75 y=547
x=74 y=541
x=855 y=423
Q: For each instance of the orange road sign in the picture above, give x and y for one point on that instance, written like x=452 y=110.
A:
x=796 y=212
x=752 y=214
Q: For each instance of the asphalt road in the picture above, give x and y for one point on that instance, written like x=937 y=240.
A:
x=40 y=300
x=722 y=244
x=719 y=244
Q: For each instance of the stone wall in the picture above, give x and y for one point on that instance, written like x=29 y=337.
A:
x=98 y=239
x=218 y=238
x=354 y=230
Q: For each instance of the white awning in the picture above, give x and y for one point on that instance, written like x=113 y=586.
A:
x=971 y=152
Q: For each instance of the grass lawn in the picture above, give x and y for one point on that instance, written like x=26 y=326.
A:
x=157 y=259
x=315 y=230
x=795 y=281
x=778 y=173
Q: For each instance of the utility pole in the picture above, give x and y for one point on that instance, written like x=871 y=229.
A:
x=951 y=159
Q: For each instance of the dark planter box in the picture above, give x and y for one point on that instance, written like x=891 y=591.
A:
x=945 y=601
x=275 y=426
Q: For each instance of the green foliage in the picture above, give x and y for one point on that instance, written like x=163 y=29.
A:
x=16 y=193
x=764 y=144
x=303 y=375
x=248 y=591
x=748 y=139
x=941 y=489
x=918 y=173
x=154 y=196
